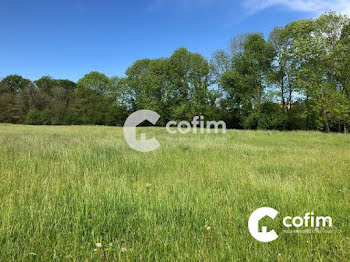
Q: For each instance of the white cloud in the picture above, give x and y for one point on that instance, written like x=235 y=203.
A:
x=309 y=6
x=315 y=7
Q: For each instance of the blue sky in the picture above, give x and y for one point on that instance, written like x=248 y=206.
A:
x=69 y=38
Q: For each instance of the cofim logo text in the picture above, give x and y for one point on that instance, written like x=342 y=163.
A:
x=172 y=127
x=309 y=220
x=260 y=232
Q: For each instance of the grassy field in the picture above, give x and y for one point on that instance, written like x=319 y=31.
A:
x=64 y=189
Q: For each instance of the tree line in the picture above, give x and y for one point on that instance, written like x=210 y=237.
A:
x=297 y=79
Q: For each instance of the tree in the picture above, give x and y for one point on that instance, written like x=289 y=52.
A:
x=10 y=99
x=298 y=79
x=220 y=63
x=8 y=108
x=246 y=83
x=315 y=45
x=33 y=117
x=341 y=60
x=283 y=75
x=135 y=85
x=189 y=82
x=95 y=81
x=14 y=83
x=175 y=87
x=46 y=84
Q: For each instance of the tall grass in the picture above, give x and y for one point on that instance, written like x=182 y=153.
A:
x=64 y=189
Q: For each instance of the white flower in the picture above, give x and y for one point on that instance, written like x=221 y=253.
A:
x=99 y=245
x=207 y=227
x=123 y=249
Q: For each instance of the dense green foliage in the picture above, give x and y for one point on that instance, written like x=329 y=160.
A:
x=297 y=79
x=64 y=189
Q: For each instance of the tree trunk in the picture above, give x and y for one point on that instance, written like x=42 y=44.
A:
x=307 y=112
x=290 y=96
x=328 y=130
x=285 y=110
x=345 y=129
x=282 y=93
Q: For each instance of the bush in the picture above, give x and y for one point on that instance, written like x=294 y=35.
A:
x=33 y=117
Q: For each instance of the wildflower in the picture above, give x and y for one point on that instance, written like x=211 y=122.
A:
x=99 y=245
x=95 y=250
x=124 y=249
x=207 y=227
x=148 y=185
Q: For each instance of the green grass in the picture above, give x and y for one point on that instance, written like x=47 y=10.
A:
x=64 y=189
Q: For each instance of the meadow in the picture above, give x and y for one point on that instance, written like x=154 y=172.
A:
x=64 y=189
